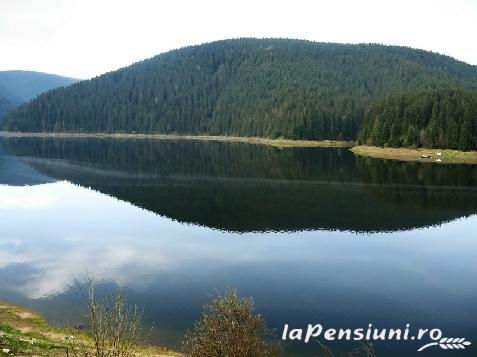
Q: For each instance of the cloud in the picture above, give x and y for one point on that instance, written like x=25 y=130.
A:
x=14 y=197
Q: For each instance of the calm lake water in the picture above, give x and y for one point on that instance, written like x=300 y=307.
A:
x=314 y=235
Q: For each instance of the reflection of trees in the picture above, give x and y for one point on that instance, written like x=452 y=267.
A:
x=192 y=158
x=244 y=188
x=422 y=186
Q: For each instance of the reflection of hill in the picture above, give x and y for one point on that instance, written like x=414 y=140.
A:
x=16 y=173
x=243 y=188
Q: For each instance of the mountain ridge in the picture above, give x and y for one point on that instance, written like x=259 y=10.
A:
x=19 y=86
x=274 y=88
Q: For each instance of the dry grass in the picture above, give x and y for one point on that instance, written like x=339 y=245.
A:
x=24 y=333
x=409 y=154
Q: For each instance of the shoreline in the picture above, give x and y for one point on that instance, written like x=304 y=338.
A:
x=25 y=332
x=281 y=143
x=425 y=155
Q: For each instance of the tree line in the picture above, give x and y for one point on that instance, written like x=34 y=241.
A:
x=246 y=87
x=435 y=119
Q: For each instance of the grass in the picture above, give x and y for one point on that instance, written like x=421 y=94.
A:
x=409 y=154
x=23 y=332
x=279 y=142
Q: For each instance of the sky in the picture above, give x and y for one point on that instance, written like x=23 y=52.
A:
x=85 y=38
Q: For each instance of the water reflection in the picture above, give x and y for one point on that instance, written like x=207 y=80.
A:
x=246 y=188
x=312 y=235
x=14 y=172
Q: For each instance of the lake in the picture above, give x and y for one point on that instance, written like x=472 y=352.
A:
x=314 y=235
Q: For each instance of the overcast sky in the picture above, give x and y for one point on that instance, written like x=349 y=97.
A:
x=84 y=38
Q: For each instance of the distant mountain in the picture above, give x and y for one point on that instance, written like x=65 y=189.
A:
x=17 y=87
x=8 y=102
x=247 y=87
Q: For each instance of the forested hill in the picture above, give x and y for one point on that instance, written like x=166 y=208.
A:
x=17 y=87
x=433 y=119
x=246 y=87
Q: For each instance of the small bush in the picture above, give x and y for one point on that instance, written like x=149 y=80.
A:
x=229 y=328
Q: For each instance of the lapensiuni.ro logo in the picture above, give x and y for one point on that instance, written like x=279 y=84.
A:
x=429 y=337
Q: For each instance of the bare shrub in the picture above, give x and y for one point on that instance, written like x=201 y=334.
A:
x=115 y=326
x=229 y=328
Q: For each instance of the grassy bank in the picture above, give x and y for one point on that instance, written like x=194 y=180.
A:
x=419 y=155
x=236 y=139
x=25 y=333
